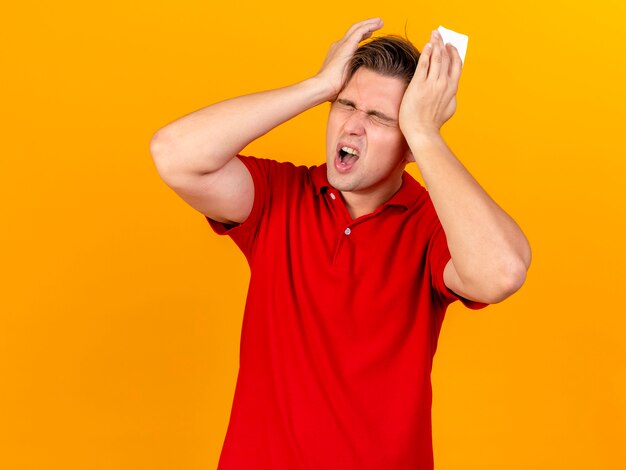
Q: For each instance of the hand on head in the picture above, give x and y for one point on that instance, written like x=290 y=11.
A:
x=430 y=98
x=334 y=68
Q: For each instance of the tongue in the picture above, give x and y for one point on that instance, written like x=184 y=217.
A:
x=349 y=159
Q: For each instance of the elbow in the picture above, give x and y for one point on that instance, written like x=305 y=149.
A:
x=512 y=273
x=514 y=282
x=178 y=157
x=510 y=279
x=160 y=149
x=167 y=158
x=493 y=282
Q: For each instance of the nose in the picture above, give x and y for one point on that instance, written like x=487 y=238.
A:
x=355 y=123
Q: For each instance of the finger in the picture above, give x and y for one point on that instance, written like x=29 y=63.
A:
x=441 y=57
x=364 y=29
x=360 y=24
x=424 y=62
x=445 y=62
x=456 y=64
x=435 y=61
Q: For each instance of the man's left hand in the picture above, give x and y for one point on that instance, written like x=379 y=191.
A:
x=430 y=98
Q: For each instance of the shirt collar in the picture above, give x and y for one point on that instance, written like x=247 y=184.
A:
x=406 y=196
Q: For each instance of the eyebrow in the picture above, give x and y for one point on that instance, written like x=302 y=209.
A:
x=371 y=112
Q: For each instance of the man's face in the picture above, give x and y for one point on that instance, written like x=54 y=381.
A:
x=365 y=150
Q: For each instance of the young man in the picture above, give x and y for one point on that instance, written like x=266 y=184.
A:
x=353 y=263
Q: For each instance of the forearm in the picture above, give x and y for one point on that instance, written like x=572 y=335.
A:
x=205 y=140
x=488 y=248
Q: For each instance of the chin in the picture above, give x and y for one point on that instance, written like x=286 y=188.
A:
x=340 y=182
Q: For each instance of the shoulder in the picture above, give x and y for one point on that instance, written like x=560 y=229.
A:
x=274 y=168
x=416 y=198
x=274 y=179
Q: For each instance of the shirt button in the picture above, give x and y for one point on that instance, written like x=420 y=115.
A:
x=332 y=196
x=347 y=231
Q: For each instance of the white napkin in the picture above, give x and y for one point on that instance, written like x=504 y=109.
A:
x=458 y=40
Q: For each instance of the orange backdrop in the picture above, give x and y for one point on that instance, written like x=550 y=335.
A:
x=121 y=311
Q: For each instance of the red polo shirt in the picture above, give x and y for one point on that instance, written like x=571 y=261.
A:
x=340 y=327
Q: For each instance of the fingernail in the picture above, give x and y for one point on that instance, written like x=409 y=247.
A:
x=436 y=34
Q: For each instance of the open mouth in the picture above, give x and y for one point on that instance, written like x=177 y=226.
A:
x=347 y=156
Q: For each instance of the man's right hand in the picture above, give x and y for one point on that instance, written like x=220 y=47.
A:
x=195 y=155
x=335 y=66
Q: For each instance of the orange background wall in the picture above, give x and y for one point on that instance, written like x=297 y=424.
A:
x=121 y=311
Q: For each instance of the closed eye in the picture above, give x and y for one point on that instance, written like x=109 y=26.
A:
x=375 y=116
x=381 y=118
x=345 y=104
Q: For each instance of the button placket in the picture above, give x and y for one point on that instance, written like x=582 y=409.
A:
x=344 y=251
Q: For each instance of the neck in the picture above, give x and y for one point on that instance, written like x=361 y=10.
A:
x=360 y=203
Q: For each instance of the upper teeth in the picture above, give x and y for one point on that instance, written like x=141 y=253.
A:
x=350 y=150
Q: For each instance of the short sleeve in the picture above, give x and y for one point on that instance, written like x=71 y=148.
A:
x=244 y=234
x=438 y=257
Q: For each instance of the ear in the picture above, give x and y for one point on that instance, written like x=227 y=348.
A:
x=408 y=155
